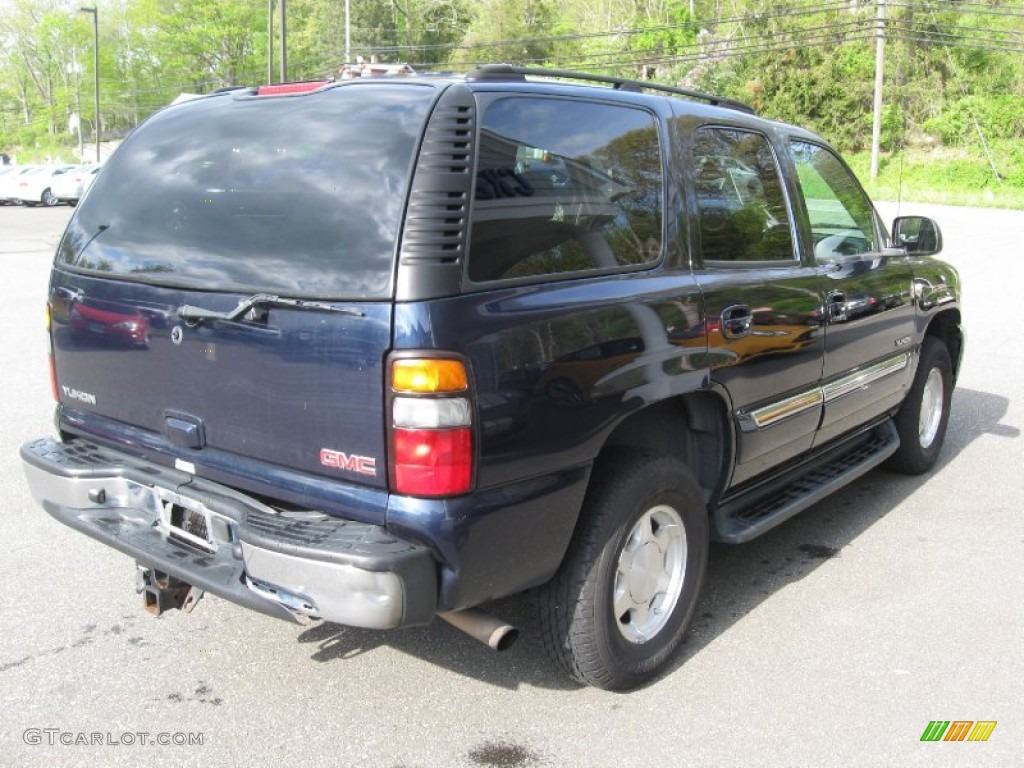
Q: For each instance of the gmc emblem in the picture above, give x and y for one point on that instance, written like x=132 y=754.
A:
x=362 y=465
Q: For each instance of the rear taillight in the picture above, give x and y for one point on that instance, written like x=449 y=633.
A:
x=49 y=342
x=431 y=427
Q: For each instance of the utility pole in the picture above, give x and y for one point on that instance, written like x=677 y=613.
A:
x=284 y=44
x=270 y=41
x=876 y=123
x=77 y=69
x=348 y=33
x=95 y=72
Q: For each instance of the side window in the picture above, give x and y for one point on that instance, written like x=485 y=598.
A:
x=564 y=187
x=841 y=216
x=742 y=214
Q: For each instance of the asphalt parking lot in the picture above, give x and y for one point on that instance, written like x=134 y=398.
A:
x=831 y=641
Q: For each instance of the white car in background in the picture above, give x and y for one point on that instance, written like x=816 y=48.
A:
x=70 y=186
x=9 y=176
x=36 y=186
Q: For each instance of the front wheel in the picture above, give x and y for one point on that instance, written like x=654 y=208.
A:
x=922 y=419
x=48 y=198
x=625 y=594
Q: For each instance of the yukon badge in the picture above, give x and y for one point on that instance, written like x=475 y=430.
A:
x=79 y=395
x=362 y=465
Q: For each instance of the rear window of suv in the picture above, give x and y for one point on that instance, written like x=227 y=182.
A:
x=295 y=195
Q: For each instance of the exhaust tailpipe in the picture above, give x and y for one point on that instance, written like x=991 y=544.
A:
x=489 y=630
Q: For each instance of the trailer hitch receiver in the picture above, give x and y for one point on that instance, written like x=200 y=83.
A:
x=162 y=592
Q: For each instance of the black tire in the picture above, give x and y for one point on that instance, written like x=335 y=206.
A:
x=922 y=419
x=47 y=198
x=633 y=498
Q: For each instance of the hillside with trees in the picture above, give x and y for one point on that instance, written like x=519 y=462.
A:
x=953 y=107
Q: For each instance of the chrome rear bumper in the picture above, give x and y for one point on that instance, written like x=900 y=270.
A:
x=287 y=565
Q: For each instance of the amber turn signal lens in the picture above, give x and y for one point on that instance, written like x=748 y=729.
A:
x=426 y=375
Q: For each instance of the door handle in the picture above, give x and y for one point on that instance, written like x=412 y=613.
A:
x=737 y=321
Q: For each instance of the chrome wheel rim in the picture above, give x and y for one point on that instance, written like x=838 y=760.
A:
x=931 y=408
x=649 y=574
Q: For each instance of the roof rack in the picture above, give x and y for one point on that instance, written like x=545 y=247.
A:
x=510 y=72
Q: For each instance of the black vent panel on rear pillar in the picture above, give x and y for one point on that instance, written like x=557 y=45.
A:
x=436 y=222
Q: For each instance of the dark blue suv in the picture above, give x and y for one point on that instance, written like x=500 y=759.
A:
x=386 y=349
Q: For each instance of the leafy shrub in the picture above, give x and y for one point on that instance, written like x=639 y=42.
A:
x=998 y=116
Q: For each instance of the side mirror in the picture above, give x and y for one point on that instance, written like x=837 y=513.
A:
x=918 y=234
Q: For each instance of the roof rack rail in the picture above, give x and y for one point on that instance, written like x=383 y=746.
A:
x=511 y=72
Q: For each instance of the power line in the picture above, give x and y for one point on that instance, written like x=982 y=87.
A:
x=981 y=46
x=857 y=30
x=779 y=44
x=740 y=44
x=933 y=30
x=841 y=5
x=913 y=33
x=991 y=10
x=779 y=10
x=799 y=11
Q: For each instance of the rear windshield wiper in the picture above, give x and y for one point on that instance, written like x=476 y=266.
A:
x=195 y=315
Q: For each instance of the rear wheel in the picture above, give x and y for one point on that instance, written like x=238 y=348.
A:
x=48 y=198
x=624 y=596
x=924 y=415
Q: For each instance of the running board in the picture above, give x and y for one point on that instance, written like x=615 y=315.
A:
x=748 y=515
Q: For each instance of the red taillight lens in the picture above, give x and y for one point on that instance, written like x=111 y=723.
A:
x=431 y=420
x=432 y=462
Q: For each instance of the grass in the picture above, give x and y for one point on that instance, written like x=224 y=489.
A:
x=948 y=176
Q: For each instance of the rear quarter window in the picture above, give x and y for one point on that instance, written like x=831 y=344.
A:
x=564 y=188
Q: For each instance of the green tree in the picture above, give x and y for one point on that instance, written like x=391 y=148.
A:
x=514 y=31
x=40 y=41
x=208 y=45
